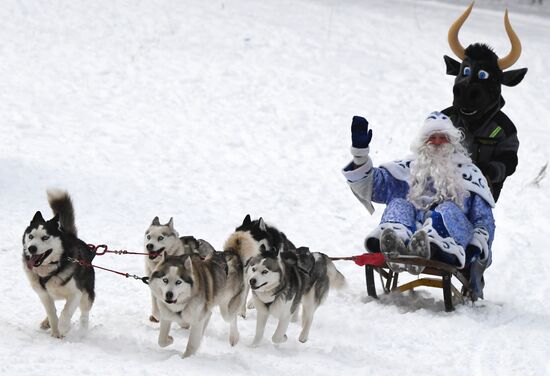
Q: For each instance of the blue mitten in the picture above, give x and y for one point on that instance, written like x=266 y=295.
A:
x=361 y=136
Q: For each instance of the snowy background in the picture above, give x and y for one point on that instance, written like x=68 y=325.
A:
x=209 y=110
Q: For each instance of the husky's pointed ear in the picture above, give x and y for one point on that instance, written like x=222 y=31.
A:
x=37 y=218
x=261 y=224
x=247 y=220
x=188 y=264
x=155 y=222
x=155 y=273
x=269 y=253
x=453 y=66
x=171 y=223
x=56 y=220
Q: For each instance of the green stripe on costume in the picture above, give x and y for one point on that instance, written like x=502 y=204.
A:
x=495 y=132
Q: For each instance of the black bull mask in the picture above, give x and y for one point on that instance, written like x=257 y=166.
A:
x=481 y=73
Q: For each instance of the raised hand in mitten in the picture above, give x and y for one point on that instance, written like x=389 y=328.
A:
x=361 y=136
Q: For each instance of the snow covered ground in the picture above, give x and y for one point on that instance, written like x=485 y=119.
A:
x=207 y=111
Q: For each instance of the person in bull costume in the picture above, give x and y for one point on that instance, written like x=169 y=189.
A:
x=438 y=203
x=489 y=139
x=490 y=136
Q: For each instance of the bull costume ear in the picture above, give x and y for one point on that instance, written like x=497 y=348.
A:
x=453 y=66
x=37 y=218
x=155 y=222
x=513 y=77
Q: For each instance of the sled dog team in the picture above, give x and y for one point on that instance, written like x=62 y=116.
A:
x=188 y=278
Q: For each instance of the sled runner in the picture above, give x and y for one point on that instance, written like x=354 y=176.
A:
x=443 y=273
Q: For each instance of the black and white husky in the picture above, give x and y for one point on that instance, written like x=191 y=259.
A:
x=188 y=287
x=48 y=250
x=249 y=237
x=281 y=281
x=163 y=239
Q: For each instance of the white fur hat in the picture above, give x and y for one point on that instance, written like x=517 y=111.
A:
x=436 y=122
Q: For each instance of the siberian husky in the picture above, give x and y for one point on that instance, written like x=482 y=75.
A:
x=251 y=234
x=49 y=251
x=187 y=289
x=247 y=239
x=280 y=281
x=164 y=239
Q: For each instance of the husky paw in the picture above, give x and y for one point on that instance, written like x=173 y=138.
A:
x=45 y=324
x=185 y=325
x=233 y=339
x=64 y=326
x=188 y=353
x=152 y=318
x=84 y=322
x=281 y=339
x=302 y=338
x=251 y=305
x=56 y=334
x=166 y=342
x=242 y=313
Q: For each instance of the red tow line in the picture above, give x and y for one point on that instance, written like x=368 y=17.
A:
x=372 y=259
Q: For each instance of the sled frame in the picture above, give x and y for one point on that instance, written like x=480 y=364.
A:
x=443 y=273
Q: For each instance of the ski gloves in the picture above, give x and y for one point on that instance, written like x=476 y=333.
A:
x=361 y=136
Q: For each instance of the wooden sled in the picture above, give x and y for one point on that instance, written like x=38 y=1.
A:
x=443 y=273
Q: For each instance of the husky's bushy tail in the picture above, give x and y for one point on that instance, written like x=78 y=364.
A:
x=336 y=279
x=61 y=205
x=242 y=244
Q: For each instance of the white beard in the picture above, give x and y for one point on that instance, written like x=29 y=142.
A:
x=435 y=177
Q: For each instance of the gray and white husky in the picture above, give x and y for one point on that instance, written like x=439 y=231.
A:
x=281 y=281
x=188 y=287
x=164 y=239
x=48 y=248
